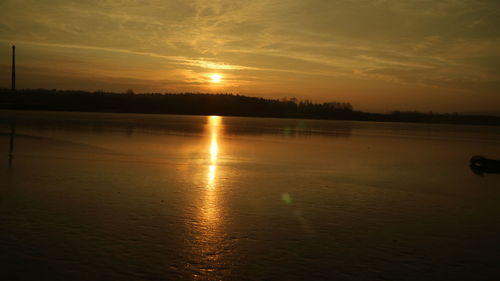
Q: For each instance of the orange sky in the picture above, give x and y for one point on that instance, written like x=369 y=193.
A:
x=377 y=54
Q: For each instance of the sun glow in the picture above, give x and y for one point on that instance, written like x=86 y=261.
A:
x=216 y=78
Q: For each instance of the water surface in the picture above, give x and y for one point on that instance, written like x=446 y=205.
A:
x=92 y=196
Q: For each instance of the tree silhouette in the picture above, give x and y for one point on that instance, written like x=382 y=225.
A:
x=213 y=104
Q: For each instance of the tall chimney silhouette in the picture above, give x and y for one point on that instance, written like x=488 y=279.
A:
x=13 y=67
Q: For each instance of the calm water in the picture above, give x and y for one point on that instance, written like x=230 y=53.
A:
x=91 y=196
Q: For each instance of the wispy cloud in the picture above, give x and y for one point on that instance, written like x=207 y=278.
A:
x=449 y=44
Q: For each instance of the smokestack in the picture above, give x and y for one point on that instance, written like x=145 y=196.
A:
x=13 y=68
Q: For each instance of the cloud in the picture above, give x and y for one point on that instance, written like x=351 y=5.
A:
x=451 y=44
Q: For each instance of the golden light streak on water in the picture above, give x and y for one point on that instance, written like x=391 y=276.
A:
x=210 y=206
x=211 y=176
x=214 y=127
x=209 y=234
x=214 y=147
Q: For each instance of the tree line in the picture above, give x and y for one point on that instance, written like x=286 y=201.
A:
x=185 y=103
x=213 y=104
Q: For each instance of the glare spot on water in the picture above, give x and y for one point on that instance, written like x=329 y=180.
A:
x=286 y=198
x=287 y=131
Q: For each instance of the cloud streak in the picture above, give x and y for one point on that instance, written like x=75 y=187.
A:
x=270 y=46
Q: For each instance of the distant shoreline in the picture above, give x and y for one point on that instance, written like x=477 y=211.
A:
x=216 y=104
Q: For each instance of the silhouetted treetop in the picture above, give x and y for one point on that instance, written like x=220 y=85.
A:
x=184 y=103
x=214 y=104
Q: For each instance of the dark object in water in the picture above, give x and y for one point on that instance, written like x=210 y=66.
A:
x=480 y=165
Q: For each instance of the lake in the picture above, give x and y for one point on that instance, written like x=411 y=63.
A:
x=98 y=196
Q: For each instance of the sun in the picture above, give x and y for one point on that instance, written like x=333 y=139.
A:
x=216 y=78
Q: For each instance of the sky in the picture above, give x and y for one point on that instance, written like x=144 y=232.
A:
x=379 y=55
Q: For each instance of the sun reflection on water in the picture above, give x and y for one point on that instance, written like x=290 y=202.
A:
x=211 y=175
x=210 y=202
x=214 y=128
x=209 y=233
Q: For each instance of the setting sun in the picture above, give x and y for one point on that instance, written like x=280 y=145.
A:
x=216 y=78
